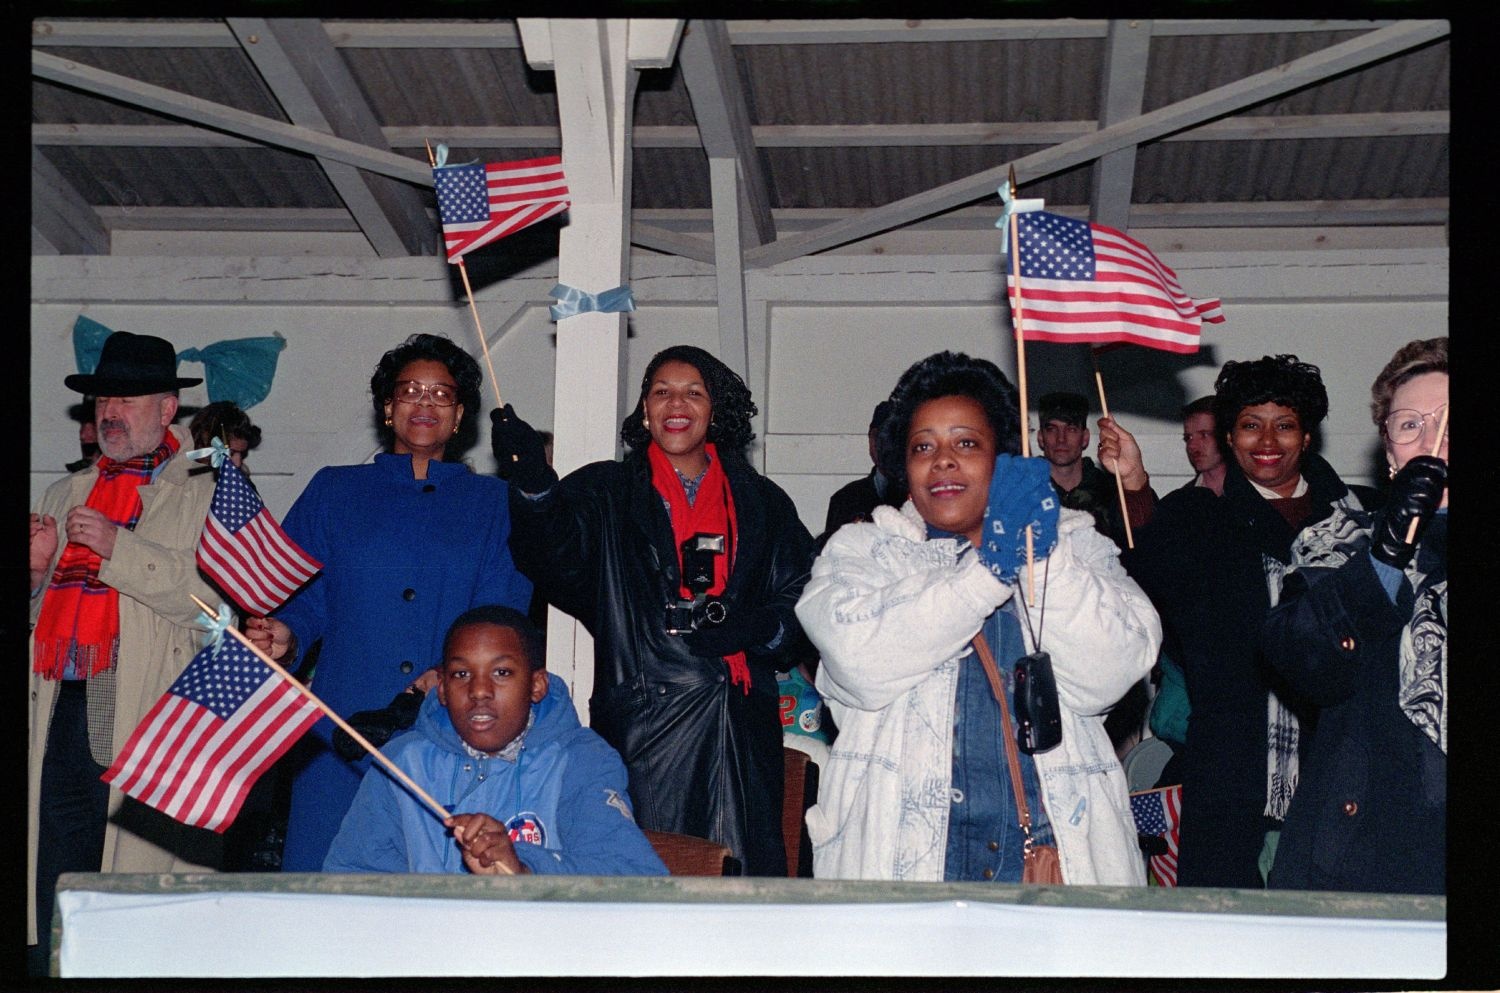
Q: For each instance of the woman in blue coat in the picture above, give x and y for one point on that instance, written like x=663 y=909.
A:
x=408 y=543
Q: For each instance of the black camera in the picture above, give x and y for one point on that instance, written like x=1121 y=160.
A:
x=698 y=554
x=1038 y=720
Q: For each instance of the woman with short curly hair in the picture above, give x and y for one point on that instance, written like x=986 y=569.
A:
x=917 y=784
x=408 y=542
x=1213 y=566
x=684 y=563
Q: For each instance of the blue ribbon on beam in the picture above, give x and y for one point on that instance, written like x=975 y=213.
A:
x=572 y=301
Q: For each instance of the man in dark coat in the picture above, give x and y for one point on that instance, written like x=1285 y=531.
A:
x=855 y=501
x=700 y=734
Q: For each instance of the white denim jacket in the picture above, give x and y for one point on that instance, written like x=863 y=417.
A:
x=892 y=613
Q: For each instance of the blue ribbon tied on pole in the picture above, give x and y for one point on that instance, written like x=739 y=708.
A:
x=1009 y=208
x=216 y=452
x=572 y=301
x=216 y=626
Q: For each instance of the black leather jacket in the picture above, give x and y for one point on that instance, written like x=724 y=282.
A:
x=704 y=757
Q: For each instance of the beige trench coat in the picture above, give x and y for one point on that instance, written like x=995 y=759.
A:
x=154 y=569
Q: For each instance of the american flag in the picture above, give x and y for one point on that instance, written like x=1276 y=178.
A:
x=221 y=724
x=1158 y=814
x=1088 y=283
x=244 y=550
x=479 y=203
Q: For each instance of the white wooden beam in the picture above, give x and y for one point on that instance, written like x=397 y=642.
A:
x=1126 y=50
x=262 y=129
x=1221 y=100
x=713 y=84
x=316 y=90
x=661 y=239
x=729 y=263
x=61 y=219
x=1243 y=127
x=124 y=33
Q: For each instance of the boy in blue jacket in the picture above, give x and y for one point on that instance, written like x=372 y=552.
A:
x=500 y=741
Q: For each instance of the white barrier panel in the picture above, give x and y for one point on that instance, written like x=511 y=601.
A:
x=258 y=934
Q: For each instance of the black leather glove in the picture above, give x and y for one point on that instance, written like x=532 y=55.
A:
x=741 y=630
x=520 y=452
x=1414 y=496
x=378 y=726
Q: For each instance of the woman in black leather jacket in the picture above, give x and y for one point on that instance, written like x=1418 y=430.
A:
x=685 y=653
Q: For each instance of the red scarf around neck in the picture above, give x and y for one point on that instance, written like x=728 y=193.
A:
x=711 y=512
x=80 y=616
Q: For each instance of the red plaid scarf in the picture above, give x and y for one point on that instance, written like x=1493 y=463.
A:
x=80 y=616
x=711 y=513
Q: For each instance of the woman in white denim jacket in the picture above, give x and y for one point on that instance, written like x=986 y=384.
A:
x=893 y=606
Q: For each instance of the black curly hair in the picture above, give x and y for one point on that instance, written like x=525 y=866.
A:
x=416 y=348
x=729 y=427
x=1279 y=379
x=941 y=375
x=505 y=617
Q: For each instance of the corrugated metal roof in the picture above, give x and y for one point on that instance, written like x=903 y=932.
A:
x=836 y=123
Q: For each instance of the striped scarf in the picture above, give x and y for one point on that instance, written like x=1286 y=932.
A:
x=78 y=629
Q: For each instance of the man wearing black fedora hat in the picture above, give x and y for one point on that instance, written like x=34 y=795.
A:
x=113 y=561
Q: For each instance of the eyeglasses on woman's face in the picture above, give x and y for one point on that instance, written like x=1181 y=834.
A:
x=1405 y=426
x=439 y=394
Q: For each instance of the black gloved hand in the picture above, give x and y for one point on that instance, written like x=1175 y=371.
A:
x=1415 y=494
x=520 y=452
x=741 y=630
x=378 y=726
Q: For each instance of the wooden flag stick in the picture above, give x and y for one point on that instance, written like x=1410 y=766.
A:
x=390 y=766
x=1119 y=483
x=1437 y=446
x=463 y=271
x=1018 y=311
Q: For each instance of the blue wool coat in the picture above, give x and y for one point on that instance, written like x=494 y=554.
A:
x=402 y=557
x=563 y=797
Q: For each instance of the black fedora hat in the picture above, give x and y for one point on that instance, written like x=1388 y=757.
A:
x=132 y=365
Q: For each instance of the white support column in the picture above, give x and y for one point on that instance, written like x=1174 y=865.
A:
x=593 y=61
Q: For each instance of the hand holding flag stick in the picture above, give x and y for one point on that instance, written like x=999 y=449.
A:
x=1437 y=446
x=1013 y=207
x=312 y=698
x=1119 y=481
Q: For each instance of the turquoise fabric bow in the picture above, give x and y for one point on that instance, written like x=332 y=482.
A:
x=216 y=452
x=440 y=159
x=572 y=302
x=239 y=370
x=1010 y=208
x=216 y=626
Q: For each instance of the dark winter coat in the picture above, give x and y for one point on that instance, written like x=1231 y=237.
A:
x=1371 y=808
x=1208 y=563
x=704 y=757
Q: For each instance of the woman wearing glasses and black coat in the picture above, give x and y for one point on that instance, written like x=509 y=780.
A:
x=1362 y=630
x=408 y=542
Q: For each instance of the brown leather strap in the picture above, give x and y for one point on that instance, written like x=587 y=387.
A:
x=1012 y=759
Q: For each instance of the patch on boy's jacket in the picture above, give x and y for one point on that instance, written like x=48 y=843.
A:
x=528 y=827
x=615 y=800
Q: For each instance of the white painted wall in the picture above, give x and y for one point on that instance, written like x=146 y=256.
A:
x=836 y=333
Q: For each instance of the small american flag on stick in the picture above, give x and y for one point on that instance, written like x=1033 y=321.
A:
x=481 y=202
x=1087 y=283
x=1158 y=814
x=244 y=551
x=219 y=726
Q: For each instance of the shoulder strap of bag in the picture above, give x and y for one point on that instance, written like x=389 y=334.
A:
x=1012 y=759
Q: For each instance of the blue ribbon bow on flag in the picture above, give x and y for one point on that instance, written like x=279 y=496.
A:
x=572 y=301
x=1010 y=208
x=216 y=452
x=215 y=627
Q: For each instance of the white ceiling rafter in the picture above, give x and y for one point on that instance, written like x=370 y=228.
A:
x=1370 y=47
x=314 y=88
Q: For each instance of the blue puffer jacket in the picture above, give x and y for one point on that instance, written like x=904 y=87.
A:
x=563 y=798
